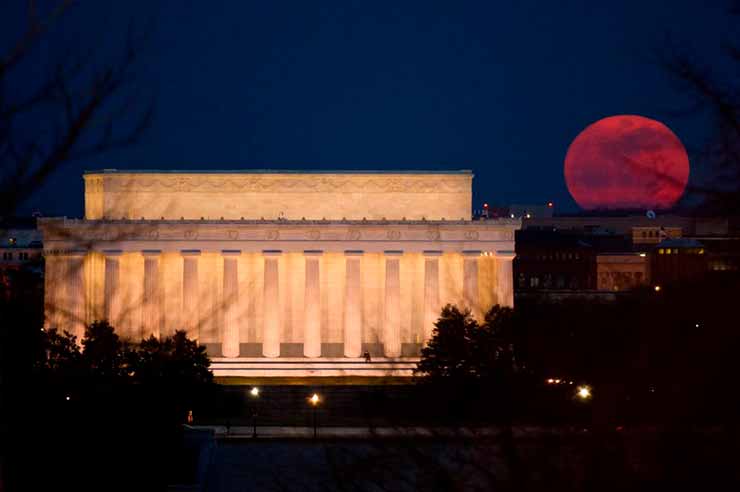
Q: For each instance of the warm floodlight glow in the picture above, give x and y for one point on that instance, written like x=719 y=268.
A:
x=314 y=399
x=657 y=288
x=584 y=392
x=550 y=381
x=255 y=392
x=643 y=255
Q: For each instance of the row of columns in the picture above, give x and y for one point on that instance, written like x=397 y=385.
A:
x=64 y=285
x=391 y=334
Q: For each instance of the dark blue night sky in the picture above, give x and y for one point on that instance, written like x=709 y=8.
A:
x=498 y=87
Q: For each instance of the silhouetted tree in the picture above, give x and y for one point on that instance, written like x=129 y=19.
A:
x=451 y=352
x=76 y=106
x=56 y=105
x=712 y=90
x=175 y=360
x=463 y=350
x=104 y=355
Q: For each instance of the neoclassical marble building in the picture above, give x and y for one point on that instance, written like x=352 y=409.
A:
x=278 y=272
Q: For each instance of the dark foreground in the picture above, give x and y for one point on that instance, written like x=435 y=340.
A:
x=573 y=460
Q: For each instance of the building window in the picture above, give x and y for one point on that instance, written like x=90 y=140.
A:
x=534 y=282
x=547 y=282
x=7 y=255
x=23 y=256
x=560 y=282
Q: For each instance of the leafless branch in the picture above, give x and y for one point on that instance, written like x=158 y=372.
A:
x=79 y=110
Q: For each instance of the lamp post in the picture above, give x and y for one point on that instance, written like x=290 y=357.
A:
x=254 y=393
x=314 y=400
x=583 y=392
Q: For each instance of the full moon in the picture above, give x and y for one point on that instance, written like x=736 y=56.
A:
x=626 y=162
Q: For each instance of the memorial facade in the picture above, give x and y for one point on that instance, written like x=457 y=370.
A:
x=278 y=273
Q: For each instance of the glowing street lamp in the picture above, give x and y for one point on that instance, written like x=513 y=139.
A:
x=254 y=393
x=657 y=288
x=583 y=392
x=314 y=401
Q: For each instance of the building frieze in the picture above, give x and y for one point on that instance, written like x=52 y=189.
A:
x=277 y=230
x=256 y=183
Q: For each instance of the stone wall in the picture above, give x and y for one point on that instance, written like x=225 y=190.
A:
x=332 y=196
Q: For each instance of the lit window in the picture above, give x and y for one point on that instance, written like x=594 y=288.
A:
x=661 y=251
x=701 y=251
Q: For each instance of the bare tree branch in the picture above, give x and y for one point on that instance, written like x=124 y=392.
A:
x=79 y=110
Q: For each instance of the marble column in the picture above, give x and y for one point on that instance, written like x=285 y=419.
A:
x=352 y=305
x=392 y=309
x=312 y=305
x=53 y=289
x=431 y=292
x=271 y=330
x=112 y=287
x=75 y=304
x=190 y=292
x=505 y=277
x=230 y=334
x=152 y=306
x=470 y=282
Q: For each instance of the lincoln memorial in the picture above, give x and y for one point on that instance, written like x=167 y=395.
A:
x=278 y=273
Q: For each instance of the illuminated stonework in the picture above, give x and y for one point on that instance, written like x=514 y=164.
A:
x=275 y=195
x=309 y=297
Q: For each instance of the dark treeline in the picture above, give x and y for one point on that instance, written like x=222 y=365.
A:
x=100 y=414
x=650 y=357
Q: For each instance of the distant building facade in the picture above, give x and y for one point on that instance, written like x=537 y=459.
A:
x=602 y=256
x=21 y=257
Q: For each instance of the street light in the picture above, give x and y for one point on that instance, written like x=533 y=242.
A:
x=255 y=393
x=657 y=288
x=584 y=392
x=314 y=401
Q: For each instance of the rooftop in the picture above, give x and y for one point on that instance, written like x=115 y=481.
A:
x=279 y=171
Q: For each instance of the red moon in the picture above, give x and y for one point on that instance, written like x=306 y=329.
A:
x=626 y=162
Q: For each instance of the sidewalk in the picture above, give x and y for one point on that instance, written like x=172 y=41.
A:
x=285 y=432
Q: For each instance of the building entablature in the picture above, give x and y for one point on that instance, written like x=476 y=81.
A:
x=251 y=235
